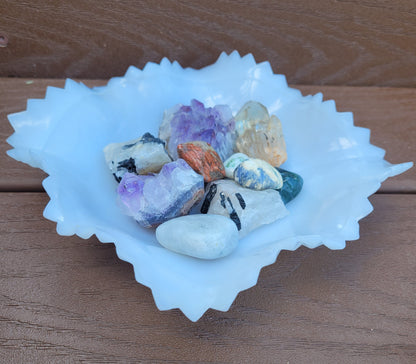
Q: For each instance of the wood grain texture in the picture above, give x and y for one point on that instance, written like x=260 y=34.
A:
x=390 y=113
x=64 y=299
x=331 y=42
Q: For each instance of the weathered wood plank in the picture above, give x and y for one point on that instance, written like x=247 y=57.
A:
x=67 y=299
x=367 y=43
x=389 y=112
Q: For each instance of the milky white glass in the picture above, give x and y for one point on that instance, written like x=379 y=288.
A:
x=65 y=133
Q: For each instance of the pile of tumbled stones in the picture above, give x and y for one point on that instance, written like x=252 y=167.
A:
x=222 y=169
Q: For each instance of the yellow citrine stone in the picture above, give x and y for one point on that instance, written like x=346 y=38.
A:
x=259 y=135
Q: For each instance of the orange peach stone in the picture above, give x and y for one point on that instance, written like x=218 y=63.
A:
x=203 y=159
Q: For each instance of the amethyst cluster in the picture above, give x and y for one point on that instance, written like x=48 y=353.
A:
x=156 y=198
x=214 y=125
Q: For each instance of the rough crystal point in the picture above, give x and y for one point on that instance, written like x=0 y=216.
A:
x=203 y=159
x=199 y=236
x=249 y=209
x=153 y=199
x=214 y=125
x=292 y=185
x=259 y=135
x=141 y=156
x=257 y=175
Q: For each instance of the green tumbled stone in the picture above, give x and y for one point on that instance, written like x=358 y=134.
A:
x=292 y=185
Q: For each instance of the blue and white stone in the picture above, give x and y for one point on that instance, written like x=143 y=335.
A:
x=199 y=236
x=233 y=162
x=248 y=208
x=140 y=156
x=257 y=174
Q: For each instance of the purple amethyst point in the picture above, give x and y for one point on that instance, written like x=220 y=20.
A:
x=213 y=125
x=154 y=199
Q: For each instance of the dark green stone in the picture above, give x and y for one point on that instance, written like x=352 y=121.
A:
x=292 y=184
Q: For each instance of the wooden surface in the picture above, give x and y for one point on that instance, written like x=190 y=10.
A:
x=64 y=299
x=331 y=42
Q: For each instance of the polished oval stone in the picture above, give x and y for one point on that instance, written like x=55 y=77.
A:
x=232 y=163
x=257 y=174
x=141 y=156
x=249 y=209
x=292 y=185
x=200 y=236
x=259 y=135
x=153 y=199
x=203 y=159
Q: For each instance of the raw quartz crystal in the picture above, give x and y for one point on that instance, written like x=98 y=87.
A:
x=154 y=199
x=259 y=135
x=214 y=125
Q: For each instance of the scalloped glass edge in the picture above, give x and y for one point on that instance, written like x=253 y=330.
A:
x=28 y=149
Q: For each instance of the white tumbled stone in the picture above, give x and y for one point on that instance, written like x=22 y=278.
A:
x=233 y=162
x=248 y=208
x=200 y=236
x=141 y=156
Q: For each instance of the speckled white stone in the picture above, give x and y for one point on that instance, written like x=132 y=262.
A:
x=200 y=236
x=233 y=162
x=249 y=208
x=141 y=156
